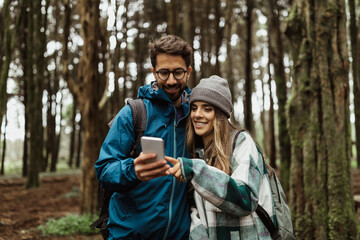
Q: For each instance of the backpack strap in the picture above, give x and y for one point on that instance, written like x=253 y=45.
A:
x=235 y=139
x=139 y=120
x=270 y=226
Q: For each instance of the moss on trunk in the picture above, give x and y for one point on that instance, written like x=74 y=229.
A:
x=318 y=116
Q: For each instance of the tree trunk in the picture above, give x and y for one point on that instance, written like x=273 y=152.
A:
x=356 y=75
x=188 y=30
x=55 y=149
x=264 y=119
x=34 y=89
x=248 y=69
x=205 y=40
x=24 y=60
x=51 y=125
x=66 y=75
x=72 y=135
x=89 y=91
x=271 y=132
x=320 y=193
x=3 y=147
x=79 y=145
x=172 y=16
x=7 y=46
x=52 y=104
x=277 y=56
x=115 y=98
x=126 y=54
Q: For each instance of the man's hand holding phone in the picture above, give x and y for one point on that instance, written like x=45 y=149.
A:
x=150 y=163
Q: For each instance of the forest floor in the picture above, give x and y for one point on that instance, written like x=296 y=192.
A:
x=22 y=211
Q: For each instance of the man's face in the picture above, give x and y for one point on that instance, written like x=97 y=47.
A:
x=174 y=85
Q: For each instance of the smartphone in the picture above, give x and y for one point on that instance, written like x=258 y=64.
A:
x=153 y=145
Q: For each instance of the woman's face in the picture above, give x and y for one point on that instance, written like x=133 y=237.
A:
x=202 y=118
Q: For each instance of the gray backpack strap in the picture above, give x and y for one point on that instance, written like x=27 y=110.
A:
x=139 y=120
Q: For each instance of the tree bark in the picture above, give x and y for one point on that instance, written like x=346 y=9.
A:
x=205 y=39
x=7 y=47
x=277 y=56
x=79 y=145
x=271 y=128
x=124 y=73
x=66 y=75
x=188 y=32
x=320 y=193
x=72 y=135
x=36 y=38
x=248 y=69
x=356 y=75
x=115 y=60
x=172 y=16
x=217 y=36
x=24 y=60
x=2 y=171
x=89 y=91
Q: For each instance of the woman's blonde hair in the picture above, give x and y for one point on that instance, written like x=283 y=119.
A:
x=218 y=150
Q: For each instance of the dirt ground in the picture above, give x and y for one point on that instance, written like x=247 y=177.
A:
x=21 y=211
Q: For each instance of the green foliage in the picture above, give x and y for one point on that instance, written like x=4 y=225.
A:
x=69 y=225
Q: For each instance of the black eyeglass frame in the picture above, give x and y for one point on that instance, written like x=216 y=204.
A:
x=169 y=72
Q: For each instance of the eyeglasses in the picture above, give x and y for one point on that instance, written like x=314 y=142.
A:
x=178 y=74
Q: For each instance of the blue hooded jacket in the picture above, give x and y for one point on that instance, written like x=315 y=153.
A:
x=155 y=209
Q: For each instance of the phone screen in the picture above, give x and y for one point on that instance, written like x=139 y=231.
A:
x=153 y=145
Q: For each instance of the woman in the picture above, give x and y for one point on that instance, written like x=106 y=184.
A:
x=230 y=183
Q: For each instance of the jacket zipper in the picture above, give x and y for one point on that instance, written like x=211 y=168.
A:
x=173 y=186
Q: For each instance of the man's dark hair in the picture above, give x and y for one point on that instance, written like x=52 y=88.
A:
x=170 y=44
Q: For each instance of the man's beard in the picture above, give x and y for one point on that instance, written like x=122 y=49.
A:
x=175 y=96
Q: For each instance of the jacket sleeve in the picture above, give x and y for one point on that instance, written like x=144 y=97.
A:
x=236 y=194
x=114 y=169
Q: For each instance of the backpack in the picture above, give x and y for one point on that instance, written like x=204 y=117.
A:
x=139 y=121
x=284 y=228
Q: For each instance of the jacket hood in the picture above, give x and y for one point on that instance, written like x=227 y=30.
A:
x=152 y=91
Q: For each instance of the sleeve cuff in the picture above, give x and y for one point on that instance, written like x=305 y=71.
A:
x=186 y=166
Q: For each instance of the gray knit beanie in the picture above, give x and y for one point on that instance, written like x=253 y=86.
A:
x=214 y=90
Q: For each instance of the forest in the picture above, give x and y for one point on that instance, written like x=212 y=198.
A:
x=292 y=66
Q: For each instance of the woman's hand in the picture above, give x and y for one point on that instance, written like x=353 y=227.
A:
x=175 y=170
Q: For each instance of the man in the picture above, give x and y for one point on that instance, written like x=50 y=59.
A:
x=148 y=202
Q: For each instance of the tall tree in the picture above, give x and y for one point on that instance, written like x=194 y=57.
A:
x=141 y=47
x=7 y=43
x=205 y=38
x=89 y=90
x=172 y=17
x=35 y=82
x=79 y=145
x=24 y=60
x=271 y=122
x=229 y=60
x=124 y=72
x=72 y=135
x=67 y=74
x=3 y=152
x=276 y=50
x=355 y=53
x=320 y=195
x=115 y=98
x=189 y=33
x=52 y=88
x=248 y=67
